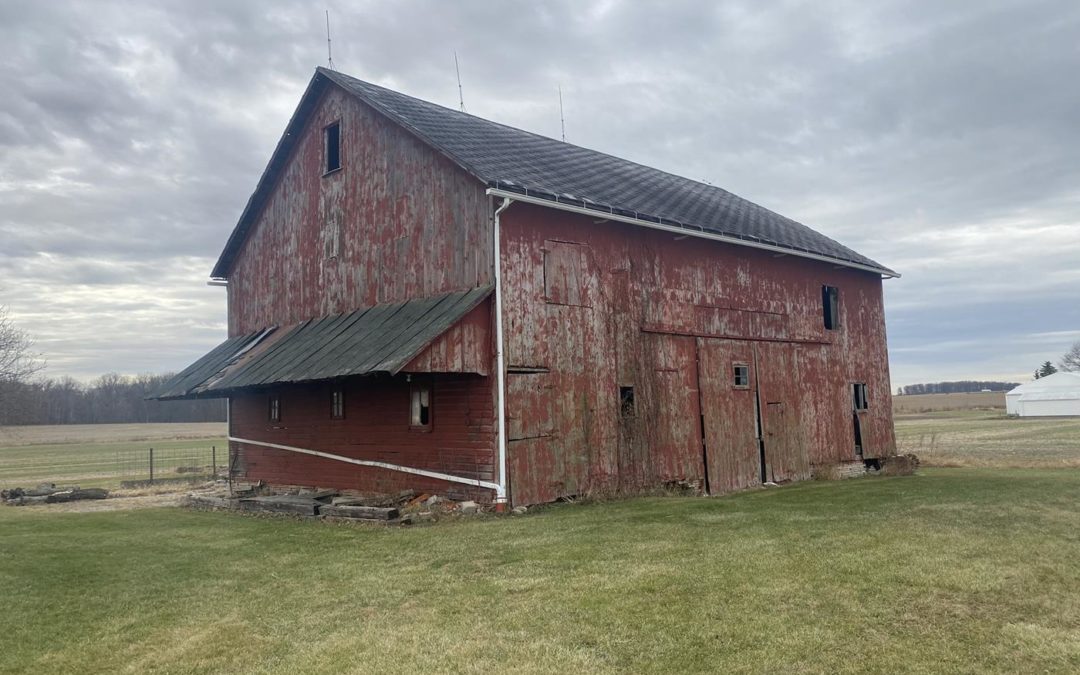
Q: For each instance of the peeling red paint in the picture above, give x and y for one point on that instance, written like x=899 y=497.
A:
x=589 y=306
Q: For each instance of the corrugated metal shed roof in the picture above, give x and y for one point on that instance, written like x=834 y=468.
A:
x=379 y=339
x=519 y=161
x=197 y=373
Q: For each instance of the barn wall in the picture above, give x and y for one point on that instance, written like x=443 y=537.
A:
x=376 y=427
x=591 y=306
x=397 y=221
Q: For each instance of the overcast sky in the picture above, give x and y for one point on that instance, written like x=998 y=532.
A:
x=941 y=139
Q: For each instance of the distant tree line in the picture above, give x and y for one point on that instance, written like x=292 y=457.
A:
x=110 y=399
x=961 y=387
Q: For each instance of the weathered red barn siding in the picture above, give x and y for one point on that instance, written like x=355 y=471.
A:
x=465 y=348
x=397 y=221
x=592 y=305
x=589 y=306
x=375 y=427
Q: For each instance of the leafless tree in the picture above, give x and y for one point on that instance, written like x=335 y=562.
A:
x=1071 y=360
x=17 y=362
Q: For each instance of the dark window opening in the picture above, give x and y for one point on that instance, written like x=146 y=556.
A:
x=275 y=409
x=420 y=409
x=858 y=433
x=337 y=404
x=858 y=395
x=626 y=402
x=742 y=376
x=333 y=147
x=830 y=306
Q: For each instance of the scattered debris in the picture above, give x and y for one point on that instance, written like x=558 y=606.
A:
x=406 y=507
x=520 y=510
x=363 y=512
x=303 y=506
x=49 y=493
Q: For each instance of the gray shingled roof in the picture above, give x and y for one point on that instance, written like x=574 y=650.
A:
x=519 y=161
x=379 y=339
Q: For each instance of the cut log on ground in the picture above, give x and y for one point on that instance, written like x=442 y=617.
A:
x=76 y=495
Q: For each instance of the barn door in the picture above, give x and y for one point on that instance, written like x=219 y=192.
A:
x=785 y=447
x=728 y=415
x=672 y=413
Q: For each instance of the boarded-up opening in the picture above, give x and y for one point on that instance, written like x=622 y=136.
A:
x=567 y=273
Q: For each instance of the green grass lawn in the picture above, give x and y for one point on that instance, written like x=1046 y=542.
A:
x=953 y=570
x=985 y=438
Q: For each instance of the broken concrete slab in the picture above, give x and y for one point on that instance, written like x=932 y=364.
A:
x=295 y=504
x=210 y=502
x=469 y=507
x=359 y=512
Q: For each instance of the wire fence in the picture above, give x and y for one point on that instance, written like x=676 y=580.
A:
x=172 y=464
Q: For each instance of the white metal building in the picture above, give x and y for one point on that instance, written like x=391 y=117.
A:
x=1050 y=396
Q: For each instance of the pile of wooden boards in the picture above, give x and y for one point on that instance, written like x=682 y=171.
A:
x=48 y=493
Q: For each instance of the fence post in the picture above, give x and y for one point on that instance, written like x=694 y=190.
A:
x=151 y=465
x=213 y=462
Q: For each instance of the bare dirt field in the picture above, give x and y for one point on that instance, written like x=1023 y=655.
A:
x=922 y=403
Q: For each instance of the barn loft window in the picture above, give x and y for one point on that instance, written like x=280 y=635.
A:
x=332 y=135
x=858 y=395
x=742 y=376
x=274 y=413
x=420 y=409
x=337 y=404
x=626 y=402
x=830 y=306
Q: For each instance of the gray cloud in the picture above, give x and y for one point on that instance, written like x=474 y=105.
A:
x=937 y=138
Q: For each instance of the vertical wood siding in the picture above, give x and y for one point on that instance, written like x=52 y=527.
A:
x=397 y=221
x=601 y=305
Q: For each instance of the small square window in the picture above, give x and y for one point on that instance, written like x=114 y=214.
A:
x=337 y=404
x=420 y=408
x=742 y=376
x=275 y=409
x=858 y=395
x=830 y=307
x=332 y=135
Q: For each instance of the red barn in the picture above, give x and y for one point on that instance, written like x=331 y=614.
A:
x=420 y=298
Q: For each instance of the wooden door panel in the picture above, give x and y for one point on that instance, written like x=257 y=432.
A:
x=731 y=446
x=672 y=412
x=786 y=456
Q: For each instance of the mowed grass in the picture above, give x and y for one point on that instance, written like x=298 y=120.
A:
x=953 y=570
x=103 y=455
x=991 y=439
